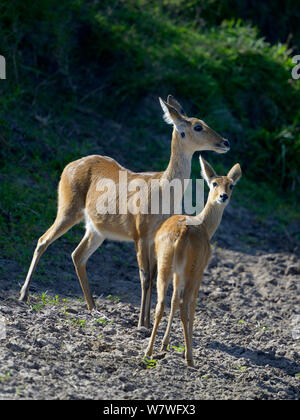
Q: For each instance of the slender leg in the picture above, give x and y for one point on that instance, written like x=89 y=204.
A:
x=145 y=284
x=88 y=245
x=192 y=315
x=193 y=307
x=143 y=262
x=162 y=286
x=152 y=275
x=184 y=314
x=61 y=225
x=174 y=306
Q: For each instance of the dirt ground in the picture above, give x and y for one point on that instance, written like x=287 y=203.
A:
x=246 y=342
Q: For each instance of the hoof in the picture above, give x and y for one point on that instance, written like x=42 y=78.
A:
x=23 y=297
x=164 y=347
x=190 y=363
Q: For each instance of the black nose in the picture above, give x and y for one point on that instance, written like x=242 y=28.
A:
x=223 y=197
x=226 y=143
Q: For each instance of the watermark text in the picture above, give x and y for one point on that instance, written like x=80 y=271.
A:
x=296 y=69
x=2 y=67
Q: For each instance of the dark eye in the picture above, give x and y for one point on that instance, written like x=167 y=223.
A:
x=198 y=128
x=214 y=184
x=231 y=186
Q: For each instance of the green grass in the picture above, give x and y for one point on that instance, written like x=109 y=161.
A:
x=103 y=321
x=44 y=300
x=77 y=322
x=114 y=298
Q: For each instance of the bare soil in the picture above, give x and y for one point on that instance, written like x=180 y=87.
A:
x=245 y=338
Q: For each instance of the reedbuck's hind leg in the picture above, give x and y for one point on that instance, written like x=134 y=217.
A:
x=185 y=314
x=174 y=306
x=163 y=280
x=142 y=253
x=62 y=224
x=88 y=245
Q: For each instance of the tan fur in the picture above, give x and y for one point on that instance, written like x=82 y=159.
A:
x=183 y=252
x=78 y=193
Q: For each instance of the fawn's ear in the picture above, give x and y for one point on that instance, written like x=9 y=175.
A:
x=235 y=173
x=207 y=171
x=172 y=101
x=172 y=116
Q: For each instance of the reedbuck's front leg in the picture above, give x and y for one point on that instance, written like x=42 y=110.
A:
x=152 y=275
x=163 y=279
x=147 y=269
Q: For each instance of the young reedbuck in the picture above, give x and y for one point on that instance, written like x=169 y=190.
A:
x=80 y=189
x=182 y=245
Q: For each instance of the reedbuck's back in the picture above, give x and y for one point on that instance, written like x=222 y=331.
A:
x=183 y=250
x=80 y=190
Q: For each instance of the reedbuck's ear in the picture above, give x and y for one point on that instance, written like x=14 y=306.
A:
x=172 y=101
x=207 y=171
x=235 y=173
x=172 y=116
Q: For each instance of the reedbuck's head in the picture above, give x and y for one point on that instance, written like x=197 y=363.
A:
x=194 y=133
x=220 y=187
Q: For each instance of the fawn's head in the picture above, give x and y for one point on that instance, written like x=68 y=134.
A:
x=195 y=134
x=220 y=187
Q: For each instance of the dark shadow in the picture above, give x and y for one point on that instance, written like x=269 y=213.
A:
x=258 y=357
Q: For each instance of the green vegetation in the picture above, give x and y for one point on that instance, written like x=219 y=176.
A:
x=179 y=348
x=149 y=363
x=5 y=377
x=83 y=77
x=103 y=321
x=78 y=322
x=46 y=300
x=114 y=298
x=239 y=369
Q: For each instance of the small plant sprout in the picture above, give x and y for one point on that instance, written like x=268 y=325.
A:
x=5 y=377
x=45 y=300
x=264 y=328
x=179 y=348
x=114 y=298
x=239 y=369
x=78 y=322
x=149 y=363
x=103 y=321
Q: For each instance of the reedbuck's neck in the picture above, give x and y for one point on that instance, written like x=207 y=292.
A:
x=211 y=217
x=180 y=162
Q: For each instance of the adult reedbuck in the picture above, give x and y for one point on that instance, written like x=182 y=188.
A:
x=182 y=245
x=80 y=189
